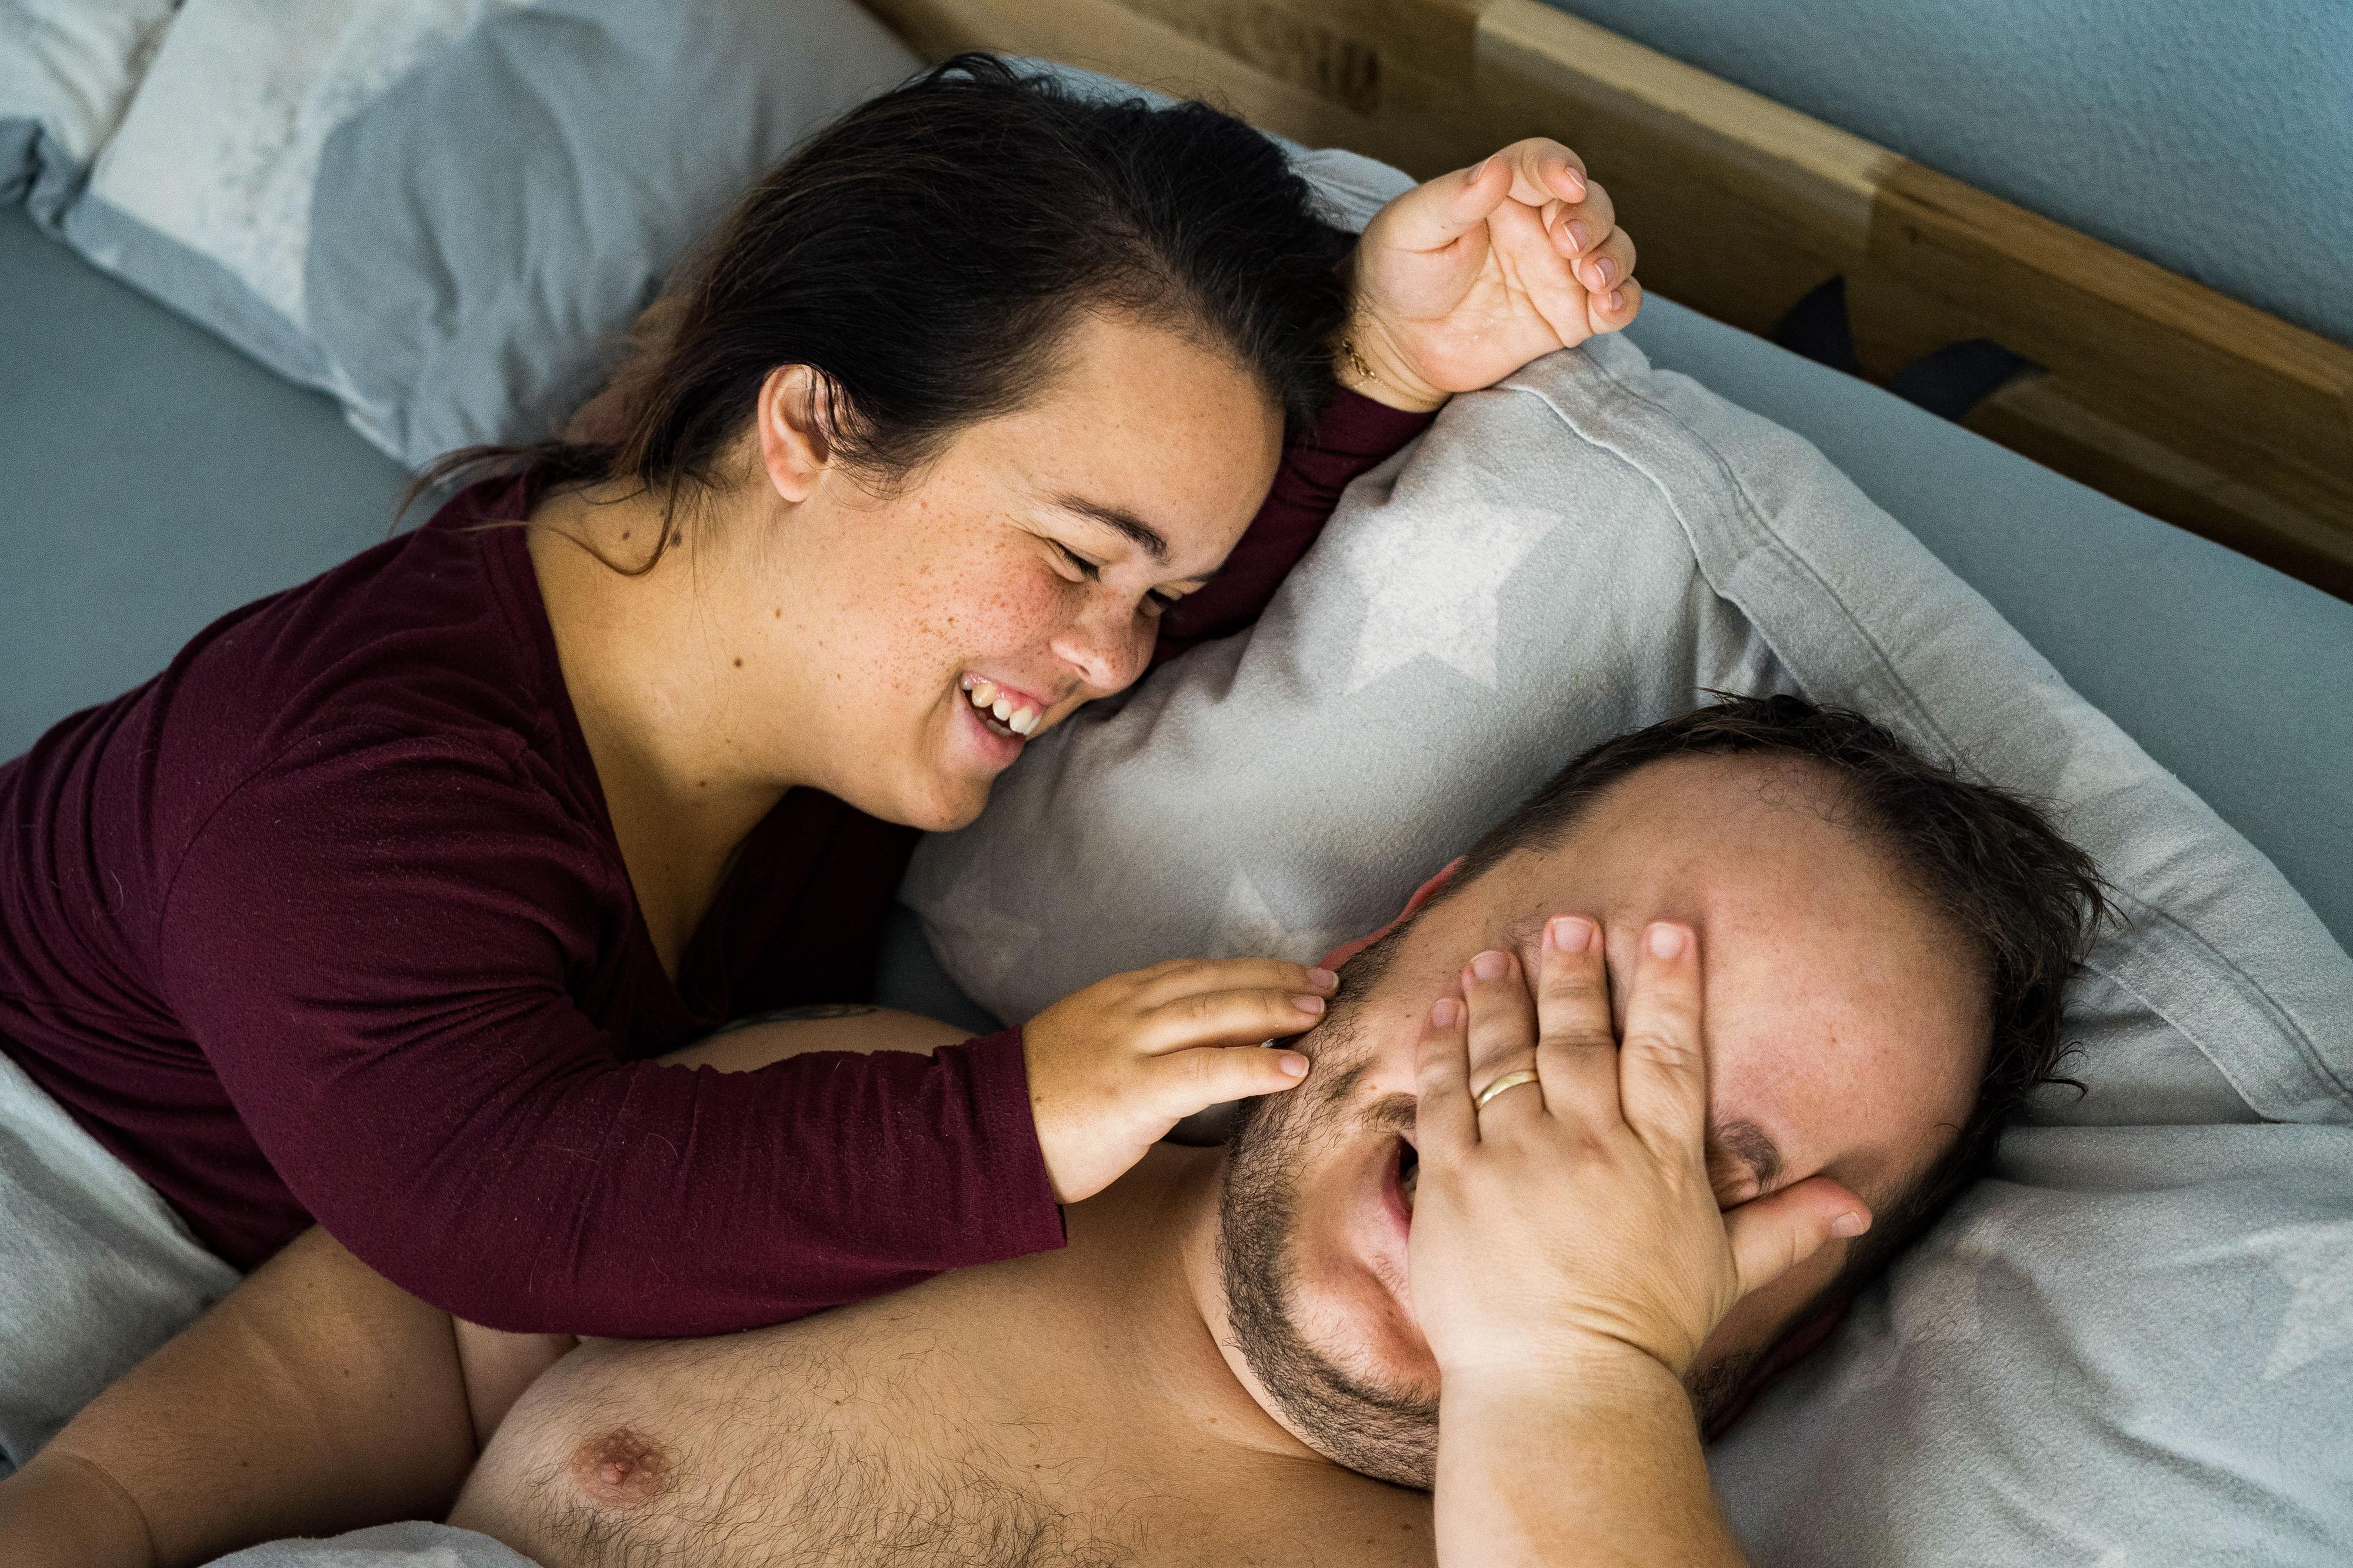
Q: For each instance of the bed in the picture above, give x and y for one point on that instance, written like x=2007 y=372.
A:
x=158 y=475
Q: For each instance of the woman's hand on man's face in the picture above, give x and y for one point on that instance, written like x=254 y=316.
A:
x=1461 y=280
x=1570 y=1221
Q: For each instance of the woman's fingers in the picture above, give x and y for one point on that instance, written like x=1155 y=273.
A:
x=1772 y=1234
x=1165 y=984
x=1616 y=311
x=1662 y=1061
x=1503 y=1029
x=1536 y=172
x=1579 y=227
x=1241 y=1016
x=1607 y=264
x=1186 y=1081
x=1543 y=170
x=1444 y=1121
x=1577 y=1046
x=1435 y=214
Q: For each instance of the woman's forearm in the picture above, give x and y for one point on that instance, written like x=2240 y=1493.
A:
x=1593 y=1465
x=316 y=1398
x=61 y=1511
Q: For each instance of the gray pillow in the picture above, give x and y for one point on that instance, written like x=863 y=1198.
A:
x=67 y=70
x=2138 y=1333
x=446 y=212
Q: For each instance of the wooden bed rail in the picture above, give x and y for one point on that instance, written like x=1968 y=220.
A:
x=2161 y=391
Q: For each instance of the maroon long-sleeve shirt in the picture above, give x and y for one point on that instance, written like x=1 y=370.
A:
x=327 y=921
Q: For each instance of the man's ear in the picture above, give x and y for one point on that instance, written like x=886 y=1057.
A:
x=1421 y=895
x=794 y=449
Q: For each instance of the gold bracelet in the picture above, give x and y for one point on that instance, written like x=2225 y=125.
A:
x=1358 y=364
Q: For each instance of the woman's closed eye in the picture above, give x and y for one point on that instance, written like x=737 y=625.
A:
x=1092 y=571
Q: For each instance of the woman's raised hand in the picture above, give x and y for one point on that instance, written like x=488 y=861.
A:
x=1112 y=1068
x=1461 y=280
x=1569 y=1223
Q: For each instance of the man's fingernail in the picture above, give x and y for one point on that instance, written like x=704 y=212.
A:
x=1490 y=965
x=1322 y=979
x=1666 y=941
x=1615 y=302
x=1479 y=169
x=1575 y=233
x=1293 y=1065
x=1445 y=1011
x=1308 y=1004
x=1849 y=1224
x=1569 y=934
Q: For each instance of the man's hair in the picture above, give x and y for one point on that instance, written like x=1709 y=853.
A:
x=2023 y=897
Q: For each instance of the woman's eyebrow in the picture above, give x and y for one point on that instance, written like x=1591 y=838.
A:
x=1145 y=537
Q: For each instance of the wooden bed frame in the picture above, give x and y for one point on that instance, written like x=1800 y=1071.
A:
x=2158 y=391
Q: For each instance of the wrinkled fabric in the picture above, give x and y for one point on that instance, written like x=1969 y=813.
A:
x=2128 y=1347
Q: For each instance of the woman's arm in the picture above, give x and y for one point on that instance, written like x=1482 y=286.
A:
x=396 y=1032
x=319 y=1396
x=1454 y=286
x=316 y=1397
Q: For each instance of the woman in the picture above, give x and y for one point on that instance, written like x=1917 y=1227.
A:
x=376 y=905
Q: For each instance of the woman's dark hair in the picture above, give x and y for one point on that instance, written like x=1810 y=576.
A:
x=927 y=254
x=2026 y=899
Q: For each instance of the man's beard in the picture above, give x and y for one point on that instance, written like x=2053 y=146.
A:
x=1390 y=1433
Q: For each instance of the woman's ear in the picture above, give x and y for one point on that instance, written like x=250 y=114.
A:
x=1421 y=895
x=794 y=451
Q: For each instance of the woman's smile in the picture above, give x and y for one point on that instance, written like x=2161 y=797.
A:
x=1007 y=709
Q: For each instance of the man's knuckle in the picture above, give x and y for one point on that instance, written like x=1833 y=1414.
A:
x=1667 y=1045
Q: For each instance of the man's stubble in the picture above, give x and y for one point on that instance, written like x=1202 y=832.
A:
x=1390 y=1433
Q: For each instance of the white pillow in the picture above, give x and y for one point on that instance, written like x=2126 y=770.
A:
x=445 y=212
x=67 y=70
x=2140 y=1332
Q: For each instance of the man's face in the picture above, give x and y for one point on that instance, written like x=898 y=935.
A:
x=1846 y=1028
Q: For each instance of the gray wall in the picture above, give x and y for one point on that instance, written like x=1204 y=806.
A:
x=2214 y=139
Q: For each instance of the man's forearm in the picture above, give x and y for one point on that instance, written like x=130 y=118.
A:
x=316 y=1398
x=1597 y=1467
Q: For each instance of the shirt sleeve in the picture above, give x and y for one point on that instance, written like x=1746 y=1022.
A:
x=377 y=951
x=1355 y=434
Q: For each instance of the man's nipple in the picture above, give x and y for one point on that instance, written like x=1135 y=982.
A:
x=620 y=1468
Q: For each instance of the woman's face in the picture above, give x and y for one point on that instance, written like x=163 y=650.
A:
x=932 y=631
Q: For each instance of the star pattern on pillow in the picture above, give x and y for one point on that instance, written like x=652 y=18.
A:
x=1437 y=591
x=1246 y=927
x=2316 y=1263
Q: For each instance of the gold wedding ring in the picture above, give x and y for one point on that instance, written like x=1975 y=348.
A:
x=1509 y=1081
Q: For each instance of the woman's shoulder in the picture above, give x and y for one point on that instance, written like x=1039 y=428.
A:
x=430 y=645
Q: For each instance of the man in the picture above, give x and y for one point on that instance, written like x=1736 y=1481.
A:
x=1484 y=1249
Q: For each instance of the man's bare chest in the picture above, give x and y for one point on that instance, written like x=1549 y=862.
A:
x=725 y=1454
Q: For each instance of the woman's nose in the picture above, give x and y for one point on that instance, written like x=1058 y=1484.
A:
x=1108 y=651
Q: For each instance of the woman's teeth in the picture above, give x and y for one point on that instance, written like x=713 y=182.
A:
x=1022 y=721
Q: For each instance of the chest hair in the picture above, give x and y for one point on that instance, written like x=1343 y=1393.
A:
x=798 y=1464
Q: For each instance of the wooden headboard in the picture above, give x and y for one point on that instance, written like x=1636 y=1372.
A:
x=2161 y=392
